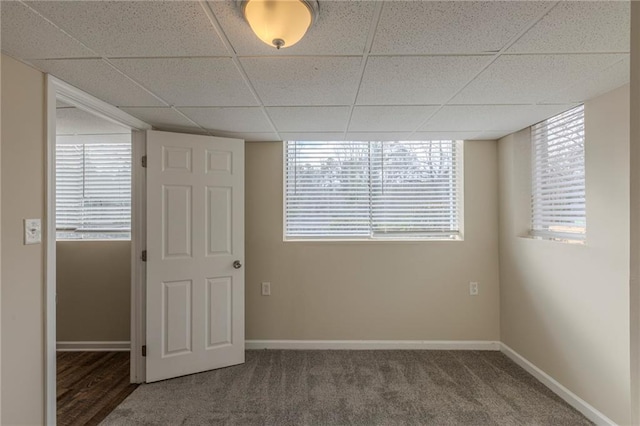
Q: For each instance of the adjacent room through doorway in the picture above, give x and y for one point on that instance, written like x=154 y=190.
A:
x=93 y=264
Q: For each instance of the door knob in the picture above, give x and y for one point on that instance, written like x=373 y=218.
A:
x=237 y=264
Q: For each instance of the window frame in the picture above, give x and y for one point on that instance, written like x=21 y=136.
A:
x=546 y=234
x=460 y=195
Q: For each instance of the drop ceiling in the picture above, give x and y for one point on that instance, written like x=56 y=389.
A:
x=367 y=70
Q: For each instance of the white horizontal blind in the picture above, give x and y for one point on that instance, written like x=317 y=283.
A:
x=93 y=191
x=69 y=186
x=558 y=184
x=365 y=190
x=327 y=189
x=414 y=189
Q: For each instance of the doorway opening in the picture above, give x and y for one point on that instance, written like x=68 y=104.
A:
x=94 y=231
x=189 y=317
x=93 y=265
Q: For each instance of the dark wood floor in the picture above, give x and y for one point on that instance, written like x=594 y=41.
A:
x=90 y=385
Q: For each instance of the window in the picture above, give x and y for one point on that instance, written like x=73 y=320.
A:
x=558 y=186
x=373 y=190
x=93 y=191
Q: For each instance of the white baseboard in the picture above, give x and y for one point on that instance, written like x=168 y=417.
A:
x=117 y=346
x=476 y=345
x=571 y=398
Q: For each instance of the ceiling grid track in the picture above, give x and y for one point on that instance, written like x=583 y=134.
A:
x=110 y=64
x=365 y=59
x=614 y=52
x=495 y=58
x=167 y=104
x=97 y=55
x=236 y=61
x=494 y=90
x=177 y=111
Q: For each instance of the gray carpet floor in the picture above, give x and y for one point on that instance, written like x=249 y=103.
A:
x=278 y=387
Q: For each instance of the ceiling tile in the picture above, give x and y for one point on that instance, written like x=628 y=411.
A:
x=98 y=78
x=290 y=81
x=249 y=136
x=452 y=26
x=595 y=85
x=493 y=135
x=522 y=79
x=309 y=119
x=136 y=28
x=250 y=120
x=579 y=26
x=389 y=118
x=403 y=80
x=190 y=81
x=26 y=35
x=159 y=117
x=378 y=136
x=341 y=29
x=312 y=136
x=74 y=121
x=490 y=117
x=445 y=136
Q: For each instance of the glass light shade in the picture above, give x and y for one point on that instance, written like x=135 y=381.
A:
x=279 y=23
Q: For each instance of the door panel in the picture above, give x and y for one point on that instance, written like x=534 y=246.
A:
x=219 y=212
x=220 y=311
x=195 y=220
x=176 y=218
x=176 y=331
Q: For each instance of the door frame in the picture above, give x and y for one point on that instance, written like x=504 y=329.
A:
x=57 y=89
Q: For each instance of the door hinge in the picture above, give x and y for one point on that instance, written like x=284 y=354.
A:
x=144 y=256
x=144 y=161
x=144 y=350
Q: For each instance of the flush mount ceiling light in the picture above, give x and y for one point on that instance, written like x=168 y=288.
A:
x=279 y=23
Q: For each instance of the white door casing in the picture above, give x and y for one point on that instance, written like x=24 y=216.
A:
x=195 y=233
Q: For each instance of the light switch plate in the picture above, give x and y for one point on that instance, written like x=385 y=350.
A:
x=32 y=231
x=266 y=288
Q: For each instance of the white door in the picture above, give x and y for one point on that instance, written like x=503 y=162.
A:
x=195 y=250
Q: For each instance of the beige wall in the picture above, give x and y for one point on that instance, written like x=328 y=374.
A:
x=0 y=242
x=371 y=290
x=565 y=307
x=23 y=147
x=635 y=211
x=94 y=290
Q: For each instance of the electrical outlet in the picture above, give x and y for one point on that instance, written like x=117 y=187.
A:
x=473 y=288
x=266 y=288
x=32 y=231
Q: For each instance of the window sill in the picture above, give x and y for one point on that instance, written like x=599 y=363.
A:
x=372 y=241
x=556 y=239
x=81 y=240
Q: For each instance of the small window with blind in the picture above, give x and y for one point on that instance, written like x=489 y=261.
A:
x=373 y=190
x=93 y=191
x=558 y=181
